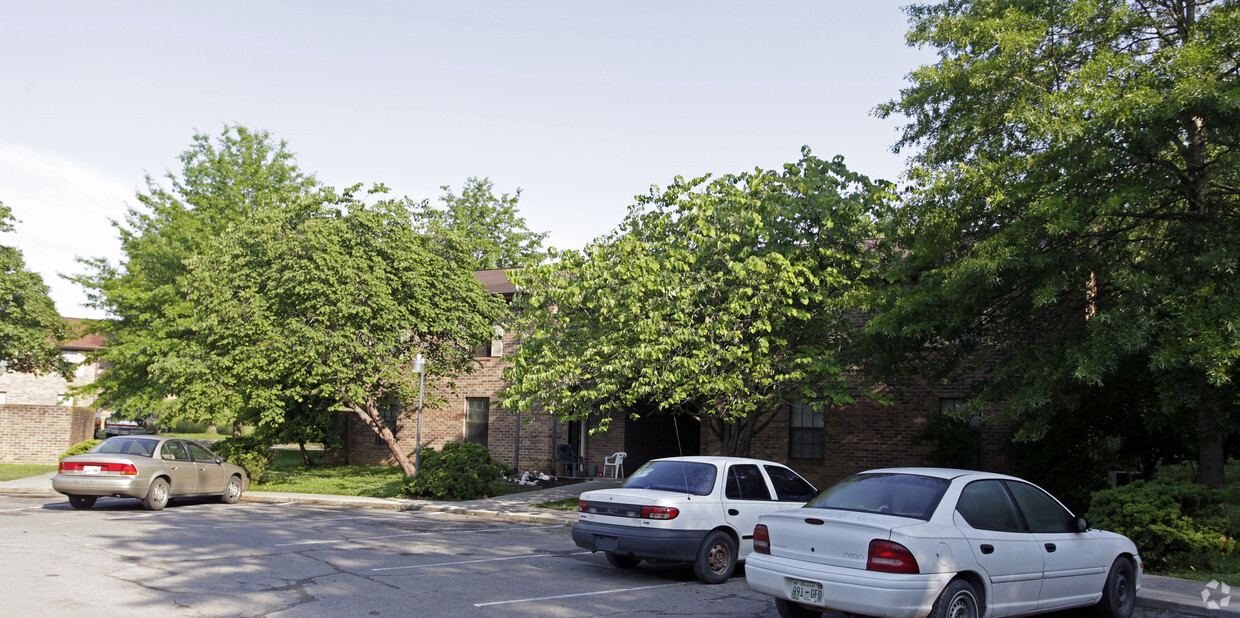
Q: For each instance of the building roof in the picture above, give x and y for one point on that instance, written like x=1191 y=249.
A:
x=86 y=341
x=496 y=281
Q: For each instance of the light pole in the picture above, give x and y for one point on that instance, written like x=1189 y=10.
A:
x=419 y=365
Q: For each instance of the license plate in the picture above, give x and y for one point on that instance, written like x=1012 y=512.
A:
x=606 y=543
x=92 y=469
x=808 y=592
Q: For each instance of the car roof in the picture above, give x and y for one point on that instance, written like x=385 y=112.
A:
x=942 y=473
x=719 y=459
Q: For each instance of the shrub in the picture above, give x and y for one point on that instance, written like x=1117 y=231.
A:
x=80 y=447
x=248 y=452
x=461 y=471
x=1175 y=524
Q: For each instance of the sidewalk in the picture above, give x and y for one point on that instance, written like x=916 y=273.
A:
x=1164 y=593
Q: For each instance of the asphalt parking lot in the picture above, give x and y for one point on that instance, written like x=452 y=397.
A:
x=203 y=558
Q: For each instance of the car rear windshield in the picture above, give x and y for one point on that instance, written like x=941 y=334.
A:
x=127 y=446
x=686 y=477
x=906 y=495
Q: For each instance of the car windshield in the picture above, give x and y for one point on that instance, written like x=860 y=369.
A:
x=127 y=446
x=689 y=477
x=906 y=495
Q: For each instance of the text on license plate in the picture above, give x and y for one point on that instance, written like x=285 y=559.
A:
x=809 y=592
x=91 y=469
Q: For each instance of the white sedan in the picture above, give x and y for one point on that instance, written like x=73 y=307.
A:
x=689 y=509
x=912 y=542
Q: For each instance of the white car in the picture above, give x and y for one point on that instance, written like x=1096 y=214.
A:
x=687 y=509
x=912 y=542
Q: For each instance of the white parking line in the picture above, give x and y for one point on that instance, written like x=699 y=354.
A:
x=393 y=536
x=437 y=564
x=579 y=594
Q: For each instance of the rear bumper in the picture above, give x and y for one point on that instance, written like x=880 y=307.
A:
x=641 y=542
x=92 y=485
x=851 y=591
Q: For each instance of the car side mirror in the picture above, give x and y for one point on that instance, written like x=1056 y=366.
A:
x=1082 y=524
x=219 y=460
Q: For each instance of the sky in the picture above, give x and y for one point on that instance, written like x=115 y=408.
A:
x=582 y=105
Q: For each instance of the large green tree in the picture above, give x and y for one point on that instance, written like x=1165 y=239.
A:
x=29 y=324
x=1075 y=208
x=490 y=227
x=221 y=181
x=329 y=302
x=720 y=298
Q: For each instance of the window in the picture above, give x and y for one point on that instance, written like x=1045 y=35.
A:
x=389 y=413
x=477 y=417
x=905 y=495
x=986 y=505
x=745 y=482
x=493 y=349
x=1042 y=512
x=788 y=486
x=175 y=451
x=199 y=452
x=4 y=398
x=807 y=437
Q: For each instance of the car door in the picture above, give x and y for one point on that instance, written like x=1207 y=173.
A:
x=746 y=495
x=1074 y=569
x=1002 y=547
x=182 y=474
x=210 y=474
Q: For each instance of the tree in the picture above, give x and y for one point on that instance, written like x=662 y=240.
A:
x=717 y=298
x=1075 y=207
x=329 y=301
x=489 y=227
x=221 y=182
x=30 y=327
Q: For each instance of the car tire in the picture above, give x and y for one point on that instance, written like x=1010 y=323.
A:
x=621 y=561
x=958 y=600
x=232 y=491
x=790 y=609
x=157 y=496
x=1118 y=595
x=716 y=558
x=82 y=502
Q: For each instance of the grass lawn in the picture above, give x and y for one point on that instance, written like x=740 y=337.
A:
x=10 y=472
x=567 y=504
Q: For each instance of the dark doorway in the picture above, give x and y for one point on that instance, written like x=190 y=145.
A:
x=655 y=435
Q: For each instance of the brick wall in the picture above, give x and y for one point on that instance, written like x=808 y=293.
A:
x=34 y=434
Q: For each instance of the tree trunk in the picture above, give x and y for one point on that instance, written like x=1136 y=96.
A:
x=1211 y=462
x=305 y=455
x=370 y=416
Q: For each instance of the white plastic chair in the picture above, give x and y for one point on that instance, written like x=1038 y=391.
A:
x=616 y=463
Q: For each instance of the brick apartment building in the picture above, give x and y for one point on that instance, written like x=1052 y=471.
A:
x=39 y=419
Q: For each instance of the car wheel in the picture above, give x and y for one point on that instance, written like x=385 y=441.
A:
x=157 y=496
x=716 y=559
x=621 y=561
x=232 y=491
x=1118 y=595
x=788 y=609
x=82 y=502
x=958 y=600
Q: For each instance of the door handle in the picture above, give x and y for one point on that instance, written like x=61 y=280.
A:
x=1050 y=547
x=733 y=512
x=988 y=549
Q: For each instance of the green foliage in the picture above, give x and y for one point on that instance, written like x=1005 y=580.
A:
x=373 y=481
x=461 y=471
x=80 y=447
x=252 y=453
x=1073 y=210
x=1175 y=524
x=29 y=323
x=494 y=235
x=956 y=444
x=721 y=298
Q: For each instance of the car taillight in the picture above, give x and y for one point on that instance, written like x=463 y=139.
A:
x=659 y=512
x=127 y=469
x=581 y=506
x=890 y=557
x=761 y=539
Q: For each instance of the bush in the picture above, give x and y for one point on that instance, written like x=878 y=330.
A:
x=80 y=447
x=461 y=471
x=1175 y=524
x=248 y=452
